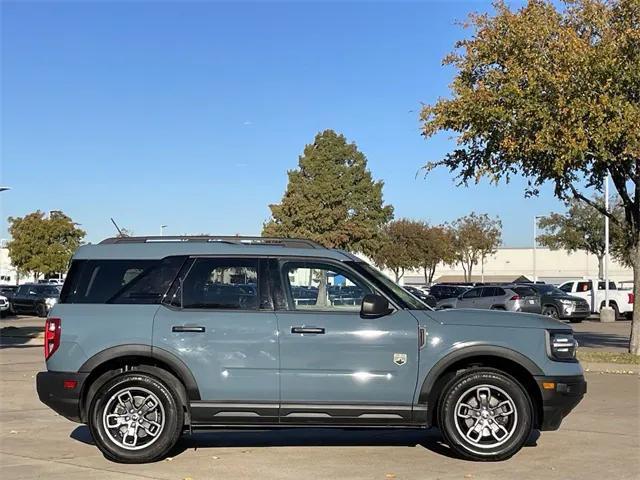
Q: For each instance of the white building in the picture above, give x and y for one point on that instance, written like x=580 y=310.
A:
x=508 y=264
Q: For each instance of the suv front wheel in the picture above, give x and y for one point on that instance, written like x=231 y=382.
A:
x=135 y=418
x=485 y=415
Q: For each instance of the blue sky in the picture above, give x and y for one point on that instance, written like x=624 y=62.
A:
x=189 y=114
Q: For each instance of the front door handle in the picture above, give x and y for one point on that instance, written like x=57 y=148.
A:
x=315 y=330
x=187 y=328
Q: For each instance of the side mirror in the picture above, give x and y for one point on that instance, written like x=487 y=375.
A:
x=374 y=306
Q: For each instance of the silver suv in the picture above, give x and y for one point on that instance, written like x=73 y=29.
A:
x=512 y=298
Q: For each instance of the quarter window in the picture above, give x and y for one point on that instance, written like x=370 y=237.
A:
x=221 y=283
x=317 y=286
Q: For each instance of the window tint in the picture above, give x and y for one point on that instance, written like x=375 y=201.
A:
x=612 y=286
x=584 y=286
x=225 y=283
x=119 y=281
x=567 y=287
x=473 y=293
x=489 y=292
x=525 y=291
x=317 y=286
x=48 y=290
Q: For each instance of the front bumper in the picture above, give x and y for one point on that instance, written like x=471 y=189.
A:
x=52 y=392
x=573 y=313
x=560 y=395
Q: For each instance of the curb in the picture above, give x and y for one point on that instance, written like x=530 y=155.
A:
x=615 y=368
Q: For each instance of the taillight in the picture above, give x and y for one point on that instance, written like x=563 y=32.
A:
x=51 y=336
x=515 y=297
x=631 y=298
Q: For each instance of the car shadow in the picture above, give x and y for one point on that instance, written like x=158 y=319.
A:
x=601 y=340
x=308 y=437
x=18 y=337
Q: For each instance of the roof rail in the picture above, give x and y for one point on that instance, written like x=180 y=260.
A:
x=281 y=242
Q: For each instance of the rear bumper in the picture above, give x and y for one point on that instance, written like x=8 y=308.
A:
x=559 y=400
x=52 y=392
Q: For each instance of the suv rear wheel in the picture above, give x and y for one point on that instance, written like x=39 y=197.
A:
x=485 y=415
x=135 y=418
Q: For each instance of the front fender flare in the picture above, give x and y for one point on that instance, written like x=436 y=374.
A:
x=470 y=351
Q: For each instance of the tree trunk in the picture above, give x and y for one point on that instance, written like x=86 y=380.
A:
x=600 y=266
x=432 y=272
x=634 y=342
x=323 y=298
x=426 y=274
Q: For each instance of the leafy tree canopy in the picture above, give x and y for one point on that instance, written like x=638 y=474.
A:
x=435 y=245
x=331 y=198
x=399 y=246
x=43 y=244
x=581 y=227
x=475 y=237
x=552 y=95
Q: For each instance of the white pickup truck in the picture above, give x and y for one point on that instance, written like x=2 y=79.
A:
x=620 y=300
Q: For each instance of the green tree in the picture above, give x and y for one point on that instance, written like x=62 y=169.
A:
x=475 y=237
x=399 y=246
x=581 y=227
x=43 y=244
x=435 y=245
x=331 y=198
x=551 y=94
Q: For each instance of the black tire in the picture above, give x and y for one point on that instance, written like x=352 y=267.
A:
x=551 y=311
x=41 y=310
x=517 y=426
x=169 y=410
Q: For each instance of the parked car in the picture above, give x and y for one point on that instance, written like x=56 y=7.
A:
x=4 y=306
x=426 y=298
x=441 y=291
x=51 y=281
x=34 y=299
x=620 y=300
x=144 y=345
x=559 y=304
x=496 y=298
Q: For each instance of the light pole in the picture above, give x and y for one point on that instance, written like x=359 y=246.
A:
x=606 y=242
x=535 y=245
x=162 y=227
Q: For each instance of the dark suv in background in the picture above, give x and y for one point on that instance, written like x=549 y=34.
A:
x=34 y=299
x=559 y=304
x=441 y=291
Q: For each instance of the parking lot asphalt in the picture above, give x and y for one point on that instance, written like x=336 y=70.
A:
x=600 y=439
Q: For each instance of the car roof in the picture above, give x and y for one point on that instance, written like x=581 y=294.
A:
x=150 y=248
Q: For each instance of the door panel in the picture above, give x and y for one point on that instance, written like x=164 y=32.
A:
x=351 y=362
x=227 y=336
x=332 y=361
x=234 y=358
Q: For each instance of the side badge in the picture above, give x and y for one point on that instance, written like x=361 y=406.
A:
x=399 y=358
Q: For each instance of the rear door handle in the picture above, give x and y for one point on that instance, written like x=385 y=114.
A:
x=187 y=328
x=315 y=330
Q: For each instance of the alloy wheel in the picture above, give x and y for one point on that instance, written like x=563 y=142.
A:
x=133 y=418
x=486 y=416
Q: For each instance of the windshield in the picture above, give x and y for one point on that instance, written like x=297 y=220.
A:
x=549 y=290
x=380 y=278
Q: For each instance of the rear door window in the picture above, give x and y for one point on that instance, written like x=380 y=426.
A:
x=473 y=293
x=221 y=283
x=525 y=291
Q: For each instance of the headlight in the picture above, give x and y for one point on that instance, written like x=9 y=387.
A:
x=566 y=303
x=562 y=346
x=51 y=302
